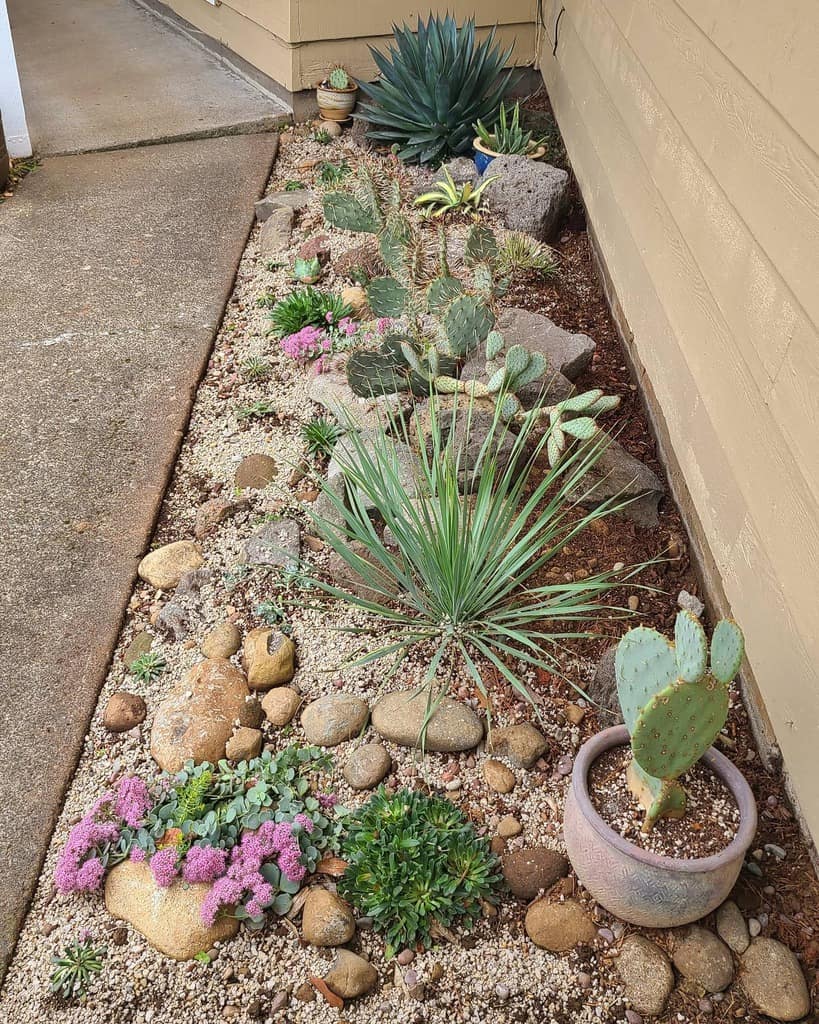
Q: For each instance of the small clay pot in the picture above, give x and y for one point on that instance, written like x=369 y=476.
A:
x=484 y=155
x=637 y=885
x=336 y=104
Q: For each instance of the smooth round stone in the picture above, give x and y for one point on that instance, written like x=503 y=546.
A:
x=367 y=766
x=509 y=827
x=255 y=471
x=351 y=975
x=164 y=567
x=405 y=957
x=704 y=959
x=280 y=705
x=646 y=974
x=522 y=744
x=399 y=717
x=559 y=927
x=326 y=919
x=773 y=980
x=498 y=776
x=223 y=641
x=333 y=719
x=528 y=872
x=124 y=711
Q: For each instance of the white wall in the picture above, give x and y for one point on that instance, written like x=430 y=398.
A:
x=11 y=98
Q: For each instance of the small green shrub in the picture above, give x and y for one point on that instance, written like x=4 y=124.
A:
x=304 y=308
x=320 y=436
x=75 y=968
x=255 y=368
x=435 y=84
x=148 y=666
x=415 y=862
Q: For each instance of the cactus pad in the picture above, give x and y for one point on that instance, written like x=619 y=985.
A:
x=727 y=648
x=338 y=79
x=691 y=647
x=494 y=344
x=678 y=725
x=481 y=246
x=441 y=292
x=466 y=322
x=659 y=798
x=376 y=373
x=386 y=297
x=644 y=665
x=348 y=213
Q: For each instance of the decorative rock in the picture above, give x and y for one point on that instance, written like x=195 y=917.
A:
x=603 y=688
x=244 y=744
x=334 y=718
x=559 y=926
x=280 y=705
x=317 y=247
x=367 y=765
x=461 y=169
x=646 y=973
x=223 y=641
x=754 y=927
x=522 y=744
x=773 y=980
x=275 y=543
x=399 y=717
x=255 y=471
x=405 y=957
x=509 y=827
x=703 y=959
x=529 y=195
x=274 y=235
x=528 y=872
x=570 y=354
x=351 y=976
x=633 y=1017
x=267 y=205
x=732 y=928
x=268 y=657
x=123 y=711
x=196 y=719
x=498 y=776
x=164 y=567
x=211 y=514
x=332 y=391
x=355 y=297
x=326 y=919
x=618 y=474
x=333 y=128
x=468 y=436
x=170 y=919
x=140 y=645
x=690 y=603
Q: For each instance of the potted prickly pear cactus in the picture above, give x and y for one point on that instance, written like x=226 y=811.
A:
x=674 y=705
x=336 y=95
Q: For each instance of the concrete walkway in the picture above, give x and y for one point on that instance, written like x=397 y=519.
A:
x=114 y=271
x=100 y=74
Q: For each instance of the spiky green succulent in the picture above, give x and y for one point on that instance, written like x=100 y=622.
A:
x=148 y=666
x=521 y=252
x=507 y=136
x=338 y=79
x=435 y=83
x=320 y=435
x=673 y=705
x=447 y=197
x=75 y=968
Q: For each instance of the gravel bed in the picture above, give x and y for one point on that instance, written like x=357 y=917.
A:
x=495 y=973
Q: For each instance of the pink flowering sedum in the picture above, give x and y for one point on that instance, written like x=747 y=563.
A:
x=86 y=837
x=204 y=864
x=163 y=866
x=308 y=343
x=133 y=801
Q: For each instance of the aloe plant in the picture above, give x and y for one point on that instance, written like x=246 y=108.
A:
x=673 y=705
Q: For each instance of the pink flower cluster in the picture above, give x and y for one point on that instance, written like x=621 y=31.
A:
x=163 y=866
x=244 y=881
x=308 y=343
x=79 y=867
x=204 y=864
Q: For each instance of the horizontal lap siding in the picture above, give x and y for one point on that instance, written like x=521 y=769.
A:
x=704 y=197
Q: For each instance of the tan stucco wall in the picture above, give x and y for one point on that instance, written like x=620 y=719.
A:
x=692 y=128
x=295 y=41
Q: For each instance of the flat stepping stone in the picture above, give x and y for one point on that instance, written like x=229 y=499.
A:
x=255 y=471
x=333 y=719
x=399 y=717
x=274 y=544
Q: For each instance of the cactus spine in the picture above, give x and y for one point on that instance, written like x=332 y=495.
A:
x=673 y=705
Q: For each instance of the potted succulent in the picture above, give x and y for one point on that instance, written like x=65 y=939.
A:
x=507 y=138
x=336 y=95
x=673 y=707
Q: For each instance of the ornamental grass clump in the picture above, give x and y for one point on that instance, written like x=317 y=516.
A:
x=251 y=830
x=474 y=538
x=416 y=866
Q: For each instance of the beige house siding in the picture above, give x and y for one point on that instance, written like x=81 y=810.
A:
x=692 y=128
x=295 y=41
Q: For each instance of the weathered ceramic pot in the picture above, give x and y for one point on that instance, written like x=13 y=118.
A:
x=634 y=884
x=336 y=104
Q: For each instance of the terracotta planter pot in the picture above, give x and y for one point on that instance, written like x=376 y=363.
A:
x=484 y=155
x=336 y=104
x=636 y=885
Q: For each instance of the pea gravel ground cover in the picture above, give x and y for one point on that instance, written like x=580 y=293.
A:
x=494 y=973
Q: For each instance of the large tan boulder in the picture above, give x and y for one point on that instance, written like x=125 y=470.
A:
x=170 y=919
x=165 y=567
x=197 y=718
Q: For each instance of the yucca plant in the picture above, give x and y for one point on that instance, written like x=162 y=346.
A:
x=468 y=573
x=435 y=84
x=519 y=252
x=447 y=197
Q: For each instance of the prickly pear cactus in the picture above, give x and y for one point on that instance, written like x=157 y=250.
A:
x=672 y=705
x=338 y=79
x=387 y=298
x=348 y=213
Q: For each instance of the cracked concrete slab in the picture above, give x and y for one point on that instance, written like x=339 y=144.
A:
x=114 y=271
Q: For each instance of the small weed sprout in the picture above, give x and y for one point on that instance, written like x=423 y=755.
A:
x=257 y=410
x=73 y=971
x=332 y=174
x=149 y=666
x=293 y=186
x=322 y=136
x=255 y=368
